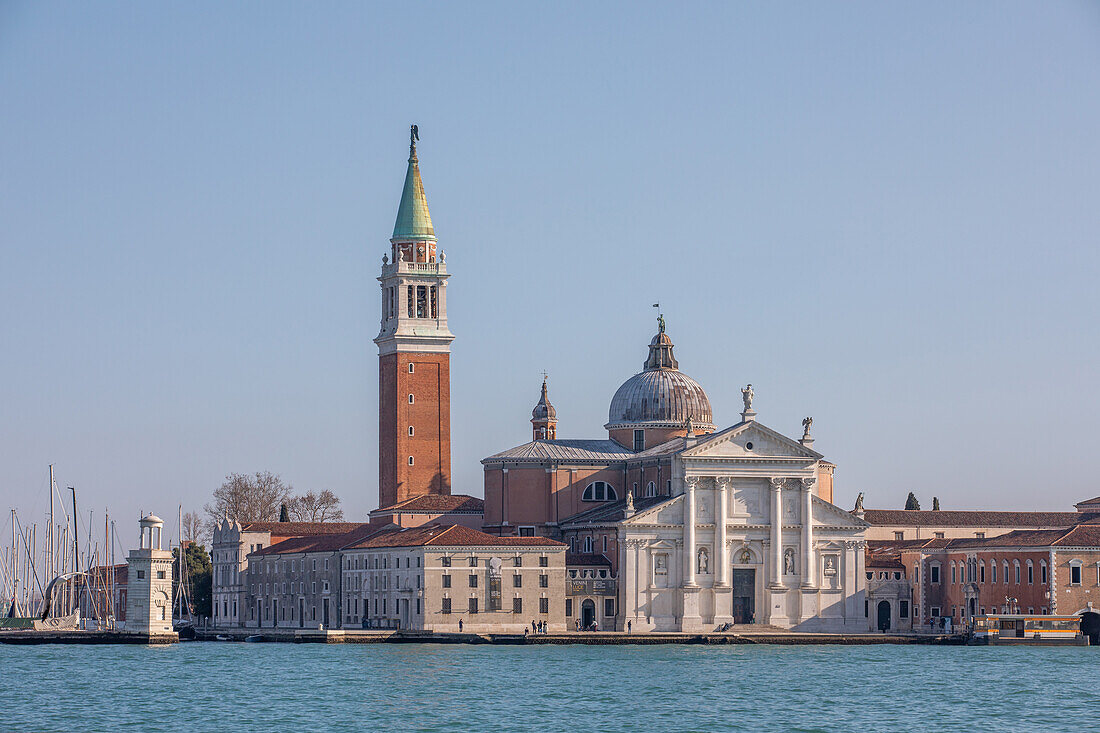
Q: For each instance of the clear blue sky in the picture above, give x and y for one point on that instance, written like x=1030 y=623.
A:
x=883 y=216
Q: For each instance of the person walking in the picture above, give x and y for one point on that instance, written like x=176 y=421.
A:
x=628 y=626
x=460 y=626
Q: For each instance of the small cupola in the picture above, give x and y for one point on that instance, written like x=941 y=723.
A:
x=544 y=418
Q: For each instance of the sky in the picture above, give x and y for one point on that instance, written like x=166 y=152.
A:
x=882 y=215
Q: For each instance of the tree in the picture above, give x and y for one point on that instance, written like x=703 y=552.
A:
x=192 y=527
x=313 y=507
x=255 y=498
x=935 y=503
x=199 y=577
x=284 y=515
x=911 y=502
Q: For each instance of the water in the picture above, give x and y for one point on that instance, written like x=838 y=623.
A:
x=436 y=687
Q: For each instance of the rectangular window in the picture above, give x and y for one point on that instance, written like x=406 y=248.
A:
x=954 y=576
x=409 y=301
x=434 y=302
x=446 y=605
x=544 y=581
x=939 y=535
x=544 y=605
x=608 y=606
x=445 y=562
x=517 y=581
x=417 y=606
x=473 y=581
x=446 y=581
x=569 y=607
x=421 y=301
x=935 y=611
x=473 y=605
x=160 y=575
x=605 y=543
x=517 y=605
x=935 y=574
x=979 y=535
x=473 y=562
x=903 y=609
x=526 y=531
x=517 y=561
x=141 y=575
x=899 y=535
x=1075 y=575
x=1030 y=574
x=544 y=561
x=639 y=441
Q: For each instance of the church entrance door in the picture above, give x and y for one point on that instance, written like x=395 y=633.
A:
x=884 y=615
x=744 y=592
x=588 y=614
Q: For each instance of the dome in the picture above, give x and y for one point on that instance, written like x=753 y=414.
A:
x=660 y=395
x=543 y=410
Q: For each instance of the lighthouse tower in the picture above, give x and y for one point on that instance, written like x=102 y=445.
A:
x=414 y=354
x=149 y=582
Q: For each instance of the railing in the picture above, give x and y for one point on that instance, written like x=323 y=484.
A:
x=420 y=268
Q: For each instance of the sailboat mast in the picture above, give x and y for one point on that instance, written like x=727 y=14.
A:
x=51 y=571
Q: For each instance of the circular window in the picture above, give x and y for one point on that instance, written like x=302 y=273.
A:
x=748 y=446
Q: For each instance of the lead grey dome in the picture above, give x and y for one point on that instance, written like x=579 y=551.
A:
x=660 y=395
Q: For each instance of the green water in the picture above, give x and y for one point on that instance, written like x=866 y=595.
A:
x=432 y=687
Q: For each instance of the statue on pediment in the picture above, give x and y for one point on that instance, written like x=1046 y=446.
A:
x=746 y=396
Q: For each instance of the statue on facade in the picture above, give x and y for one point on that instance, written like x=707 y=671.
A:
x=788 y=562
x=746 y=556
x=660 y=564
x=859 y=504
x=807 y=423
x=690 y=425
x=704 y=560
x=747 y=395
x=400 y=255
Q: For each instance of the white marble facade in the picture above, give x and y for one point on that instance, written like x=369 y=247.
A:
x=744 y=539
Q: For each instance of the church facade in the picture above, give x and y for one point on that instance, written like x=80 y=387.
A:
x=703 y=527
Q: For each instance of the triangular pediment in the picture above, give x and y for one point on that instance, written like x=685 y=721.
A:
x=831 y=516
x=749 y=440
x=667 y=512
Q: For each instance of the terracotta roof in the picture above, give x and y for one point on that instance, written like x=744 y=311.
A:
x=1088 y=502
x=299 y=529
x=437 y=504
x=587 y=560
x=319 y=543
x=446 y=535
x=967 y=518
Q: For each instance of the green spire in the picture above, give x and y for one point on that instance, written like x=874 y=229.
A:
x=413 y=220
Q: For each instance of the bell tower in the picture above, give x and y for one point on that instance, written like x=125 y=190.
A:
x=414 y=354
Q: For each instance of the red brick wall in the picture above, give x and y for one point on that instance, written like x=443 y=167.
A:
x=430 y=417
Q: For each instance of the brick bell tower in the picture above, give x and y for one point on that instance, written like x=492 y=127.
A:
x=414 y=354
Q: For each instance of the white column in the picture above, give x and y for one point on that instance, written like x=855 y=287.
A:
x=721 y=562
x=809 y=567
x=689 y=533
x=777 y=532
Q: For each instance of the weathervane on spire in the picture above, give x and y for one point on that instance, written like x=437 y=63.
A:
x=660 y=318
x=414 y=137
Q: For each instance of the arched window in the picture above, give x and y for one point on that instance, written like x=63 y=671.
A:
x=1016 y=568
x=572 y=544
x=1043 y=572
x=1004 y=566
x=599 y=491
x=954 y=573
x=1030 y=573
x=650 y=490
x=993 y=571
x=587 y=545
x=981 y=571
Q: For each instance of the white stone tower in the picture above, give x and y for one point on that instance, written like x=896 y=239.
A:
x=149 y=582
